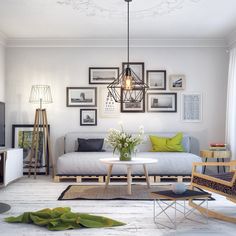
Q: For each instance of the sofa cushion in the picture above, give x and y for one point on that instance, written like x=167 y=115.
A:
x=164 y=144
x=88 y=163
x=90 y=145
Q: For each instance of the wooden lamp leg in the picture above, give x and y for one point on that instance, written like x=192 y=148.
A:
x=47 y=143
x=40 y=119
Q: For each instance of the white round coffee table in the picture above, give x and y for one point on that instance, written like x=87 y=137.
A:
x=135 y=161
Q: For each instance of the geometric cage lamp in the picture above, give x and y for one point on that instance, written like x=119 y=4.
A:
x=40 y=153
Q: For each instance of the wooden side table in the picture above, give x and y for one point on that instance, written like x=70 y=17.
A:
x=215 y=154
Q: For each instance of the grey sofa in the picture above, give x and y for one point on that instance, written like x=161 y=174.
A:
x=74 y=163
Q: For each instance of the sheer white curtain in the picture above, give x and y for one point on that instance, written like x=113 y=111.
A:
x=231 y=104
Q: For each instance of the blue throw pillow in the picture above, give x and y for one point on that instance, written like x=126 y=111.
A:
x=90 y=145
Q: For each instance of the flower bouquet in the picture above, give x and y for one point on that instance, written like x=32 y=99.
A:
x=124 y=143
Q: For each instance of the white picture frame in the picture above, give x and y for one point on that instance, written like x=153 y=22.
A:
x=177 y=82
x=108 y=108
x=191 y=107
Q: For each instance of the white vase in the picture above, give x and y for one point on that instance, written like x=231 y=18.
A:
x=179 y=188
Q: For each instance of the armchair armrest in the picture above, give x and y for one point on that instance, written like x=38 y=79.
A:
x=214 y=164
x=231 y=164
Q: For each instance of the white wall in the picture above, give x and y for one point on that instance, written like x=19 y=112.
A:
x=205 y=70
x=2 y=72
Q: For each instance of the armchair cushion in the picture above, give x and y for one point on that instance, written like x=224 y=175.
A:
x=217 y=186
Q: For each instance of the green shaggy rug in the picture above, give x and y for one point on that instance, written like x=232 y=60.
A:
x=62 y=218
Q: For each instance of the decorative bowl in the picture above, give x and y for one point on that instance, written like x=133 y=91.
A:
x=179 y=188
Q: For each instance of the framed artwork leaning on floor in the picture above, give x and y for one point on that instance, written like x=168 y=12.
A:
x=22 y=138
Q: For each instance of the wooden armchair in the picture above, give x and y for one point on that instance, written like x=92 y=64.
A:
x=223 y=184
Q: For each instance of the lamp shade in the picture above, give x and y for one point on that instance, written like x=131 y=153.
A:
x=40 y=94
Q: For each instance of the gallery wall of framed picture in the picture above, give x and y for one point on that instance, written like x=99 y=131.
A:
x=161 y=97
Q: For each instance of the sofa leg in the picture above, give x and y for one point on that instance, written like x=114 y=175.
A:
x=180 y=178
x=100 y=179
x=78 y=179
x=152 y=179
x=56 y=179
x=157 y=179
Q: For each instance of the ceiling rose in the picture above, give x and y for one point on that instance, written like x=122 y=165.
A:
x=114 y=8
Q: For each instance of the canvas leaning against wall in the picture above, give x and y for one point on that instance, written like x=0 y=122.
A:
x=22 y=138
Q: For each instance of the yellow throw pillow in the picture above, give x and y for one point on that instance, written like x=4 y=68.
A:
x=163 y=144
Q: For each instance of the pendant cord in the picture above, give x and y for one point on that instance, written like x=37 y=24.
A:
x=128 y=35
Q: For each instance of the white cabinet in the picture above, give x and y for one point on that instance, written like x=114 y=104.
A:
x=11 y=165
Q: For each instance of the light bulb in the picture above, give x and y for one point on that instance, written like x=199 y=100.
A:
x=127 y=83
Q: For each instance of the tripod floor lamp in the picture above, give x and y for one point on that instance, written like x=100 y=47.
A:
x=40 y=146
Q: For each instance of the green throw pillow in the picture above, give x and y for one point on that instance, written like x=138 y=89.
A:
x=163 y=144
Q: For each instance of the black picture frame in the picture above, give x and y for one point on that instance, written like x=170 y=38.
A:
x=133 y=107
x=139 y=73
x=81 y=98
x=89 y=121
x=159 y=83
x=26 y=141
x=104 y=71
x=169 y=104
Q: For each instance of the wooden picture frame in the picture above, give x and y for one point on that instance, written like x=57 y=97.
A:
x=156 y=79
x=81 y=96
x=133 y=107
x=22 y=138
x=162 y=102
x=88 y=117
x=137 y=67
x=177 y=82
x=103 y=75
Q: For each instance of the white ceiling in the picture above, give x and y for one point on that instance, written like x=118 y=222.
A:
x=48 y=19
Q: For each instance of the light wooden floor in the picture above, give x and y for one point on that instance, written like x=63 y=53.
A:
x=30 y=195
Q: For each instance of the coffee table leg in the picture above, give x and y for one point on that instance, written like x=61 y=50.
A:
x=146 y=175
x=108 y=174
x=129 y=179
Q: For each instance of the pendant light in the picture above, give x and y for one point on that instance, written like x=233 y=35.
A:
x=128 y=87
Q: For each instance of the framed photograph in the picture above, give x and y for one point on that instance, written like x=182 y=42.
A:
x=137 y=67
x=156 y=79
x=108 y=108
x=22 y=138
x=134 y=106
x=191 y=107
x=177 y=82
x=103 y=75
x=162 y=102
x=81 y=96
x=88 y=117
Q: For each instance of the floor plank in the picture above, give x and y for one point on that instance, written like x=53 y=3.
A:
x=30 y=195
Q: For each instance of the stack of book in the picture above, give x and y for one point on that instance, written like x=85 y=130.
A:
x=218 y=147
